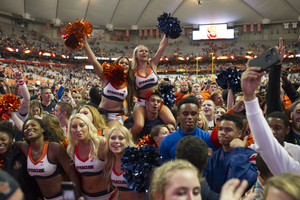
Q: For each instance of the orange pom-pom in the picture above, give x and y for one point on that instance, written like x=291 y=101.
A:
x=145 y=141
x=74 y=33
x=65 y=143
x=8 y=102
x=114 y=73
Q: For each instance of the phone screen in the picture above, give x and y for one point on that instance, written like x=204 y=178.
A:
x=69 y=195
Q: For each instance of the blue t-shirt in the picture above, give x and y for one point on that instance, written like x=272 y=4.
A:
x=169 y=143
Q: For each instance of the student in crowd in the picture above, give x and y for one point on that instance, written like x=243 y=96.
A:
x=175 y=180
x=209 y=109
x=188 y=116
x=267 y=145
x=158 y=133
x=202 y=122
x=232 y=160
x=63 y=111
x=151 y=115
x=194 y=150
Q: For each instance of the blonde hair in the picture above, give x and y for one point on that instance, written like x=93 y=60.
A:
x=205 y=126
x=98 y=120
x=109 y=156
x=134 y=62
x=288 y=183
x=54 y=125
x=162 y=174
x=35 y=103
x=93 y=137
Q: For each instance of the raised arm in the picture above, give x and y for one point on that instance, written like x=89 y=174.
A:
x=23 y=110
x=162 y=46
x=273 y=93
x=19 y=123
x=92 y=58
x=268 y=146
x=230 y=99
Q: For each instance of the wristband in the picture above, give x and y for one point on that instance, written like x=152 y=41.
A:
x=21 y=82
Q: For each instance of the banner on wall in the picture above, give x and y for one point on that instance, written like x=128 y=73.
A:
x=98 y=34
x=251 y=27
x=258 y=28
x=157 y=32
x=183 y=31
x=62 y=29
x=190 y=32
x=119 y=36
x=48 y=27
x=236 y=32
x=127 y=32
x=140 y=32
x=151 y=33
x=145 y=32
x=245 y=28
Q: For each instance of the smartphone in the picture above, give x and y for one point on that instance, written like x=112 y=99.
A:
x=266 y=60
x=69 y=190
x=70 y=76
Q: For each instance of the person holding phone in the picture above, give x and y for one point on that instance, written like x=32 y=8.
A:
x=46 y=159
x=113 y=95
x=85 y=149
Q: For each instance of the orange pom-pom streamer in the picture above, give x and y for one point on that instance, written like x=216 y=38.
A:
x=8 y=102
x=145 y=141
x=65 y=143
x=114 y=73
x=74 y=33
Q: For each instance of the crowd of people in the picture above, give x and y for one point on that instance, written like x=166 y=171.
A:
x=214 y=143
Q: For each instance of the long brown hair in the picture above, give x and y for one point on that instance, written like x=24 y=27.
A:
x=130 y=85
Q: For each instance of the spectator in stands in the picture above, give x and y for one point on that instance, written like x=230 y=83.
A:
x=230 y=161
x=188 y=116
x=46 y=102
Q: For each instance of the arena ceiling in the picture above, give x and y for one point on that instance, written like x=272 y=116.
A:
x=123 y=14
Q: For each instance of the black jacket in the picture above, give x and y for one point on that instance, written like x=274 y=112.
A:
x=15 y=163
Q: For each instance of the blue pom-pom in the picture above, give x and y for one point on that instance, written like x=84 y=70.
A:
x=231 y=78
x=169 y=25
x=167 y=95
x=138 y=163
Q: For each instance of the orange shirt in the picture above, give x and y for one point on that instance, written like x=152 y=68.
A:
x=205 y=94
